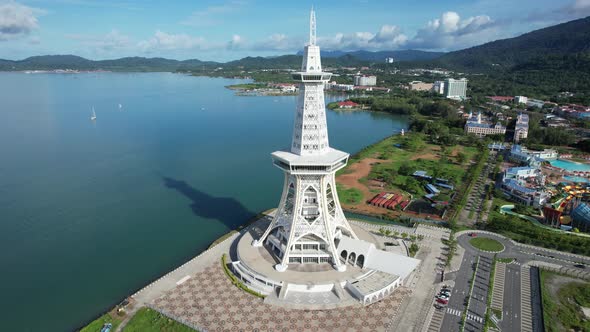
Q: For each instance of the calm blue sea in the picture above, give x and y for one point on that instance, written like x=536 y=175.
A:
x=92 y=211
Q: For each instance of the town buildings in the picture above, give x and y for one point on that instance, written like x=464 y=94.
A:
x=420 y=86
x=521 y=99
x=438 y=87
x=365 y=80
x=455 y=89
x=521 y=154
x=479 y=126
x=521 y=130
x=523 y=185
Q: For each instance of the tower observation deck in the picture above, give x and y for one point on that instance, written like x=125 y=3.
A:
x=309 y=221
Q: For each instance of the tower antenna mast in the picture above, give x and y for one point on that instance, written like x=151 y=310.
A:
x=312 y=32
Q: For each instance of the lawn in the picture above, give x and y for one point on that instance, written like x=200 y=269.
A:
x=97 y=324
x=487 y=244
x=349 y=196
x=563 y=312
x=148 y=320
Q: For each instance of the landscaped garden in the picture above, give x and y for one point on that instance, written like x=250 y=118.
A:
x=486 y=244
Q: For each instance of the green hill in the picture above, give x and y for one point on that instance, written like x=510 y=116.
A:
x=559 y=40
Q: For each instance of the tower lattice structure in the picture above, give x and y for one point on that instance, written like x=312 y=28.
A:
x=309 y=220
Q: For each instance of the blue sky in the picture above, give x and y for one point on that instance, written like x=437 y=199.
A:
x=228 y=30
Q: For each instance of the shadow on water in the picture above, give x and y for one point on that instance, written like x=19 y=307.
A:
x=224 y=209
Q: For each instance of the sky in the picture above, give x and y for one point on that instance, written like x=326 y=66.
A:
x=233 y=29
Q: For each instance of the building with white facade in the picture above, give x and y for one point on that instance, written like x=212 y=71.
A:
x=521 y=183
x=389 y=60
x=481 y=127
x=521 y=154
x=439 y=87
x=521 y=99
x=365 y=80
x=521 y=130
x=455 y=89
x=308 y=245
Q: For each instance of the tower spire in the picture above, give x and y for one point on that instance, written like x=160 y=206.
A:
x=312 y=33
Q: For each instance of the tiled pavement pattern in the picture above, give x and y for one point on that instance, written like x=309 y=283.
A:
x=498 y=290
x=208 y=301
x=525 y=300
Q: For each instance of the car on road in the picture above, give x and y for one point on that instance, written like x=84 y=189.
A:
x=473 y=234
x=442 y=301
x=580 y=266
x=447 y=293
x=442 y=296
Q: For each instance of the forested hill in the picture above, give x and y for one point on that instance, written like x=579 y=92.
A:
x=558 y=42
x=379 y=56
x=53 y=62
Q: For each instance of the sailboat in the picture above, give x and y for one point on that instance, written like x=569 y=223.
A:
x=93 y=117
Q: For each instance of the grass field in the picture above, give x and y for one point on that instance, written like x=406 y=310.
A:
x=97 y=324
x=148 y=320
x=349 y=196
x=487 y=244
x=563 y=300
x=396 y=152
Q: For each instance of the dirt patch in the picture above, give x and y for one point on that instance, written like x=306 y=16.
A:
x=425 y=156
x=356 y=172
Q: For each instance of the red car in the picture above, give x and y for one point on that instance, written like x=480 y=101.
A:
x=473 y=234
x=442 y=301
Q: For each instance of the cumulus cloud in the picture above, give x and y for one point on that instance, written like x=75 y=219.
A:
x=17 y=20
x=235 y=43
x=451 y=32
x=111 y=41
x=388 y=37
x=166 y=41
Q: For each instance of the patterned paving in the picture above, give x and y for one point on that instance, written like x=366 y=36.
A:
x=208 y=301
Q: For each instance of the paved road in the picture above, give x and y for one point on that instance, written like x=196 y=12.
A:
x=512 y=287
x=536 y=305
x=512 y=306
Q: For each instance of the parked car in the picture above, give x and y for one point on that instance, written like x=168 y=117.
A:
x=580 y=266
x=473 y=234
x=447 y=293
x=443 y=296
x=442 y=301
x=439 y=306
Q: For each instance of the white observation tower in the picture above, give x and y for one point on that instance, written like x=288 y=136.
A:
x=309 y=221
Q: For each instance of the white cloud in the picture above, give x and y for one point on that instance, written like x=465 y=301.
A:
x=17 y=20
x=235 y=43
x=388 y=37
x=451 y=32
x=111 y=41
x=165 y=41
x=212 y=14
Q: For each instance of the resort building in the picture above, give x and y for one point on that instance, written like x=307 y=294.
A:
x=521 y=130
x=307 y=248
x=520 y=184
x=420 y=86
x=482 y=127
x=455 y=89
x=521 y=99
x=347 y=104
x=365 y=80
x=519 y=153
x=438 y=87
x=535 y=103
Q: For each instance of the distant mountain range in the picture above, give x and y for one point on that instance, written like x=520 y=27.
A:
x=563 y=49
x=379 y=56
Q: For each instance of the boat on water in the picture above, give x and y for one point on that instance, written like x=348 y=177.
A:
x=93 y=116
x=120 y=106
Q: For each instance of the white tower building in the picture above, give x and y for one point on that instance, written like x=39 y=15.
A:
x=309 y=221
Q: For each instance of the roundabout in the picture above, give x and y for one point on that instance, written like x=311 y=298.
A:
x=486 y=244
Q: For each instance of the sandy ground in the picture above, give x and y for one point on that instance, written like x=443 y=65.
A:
x=358 y=171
